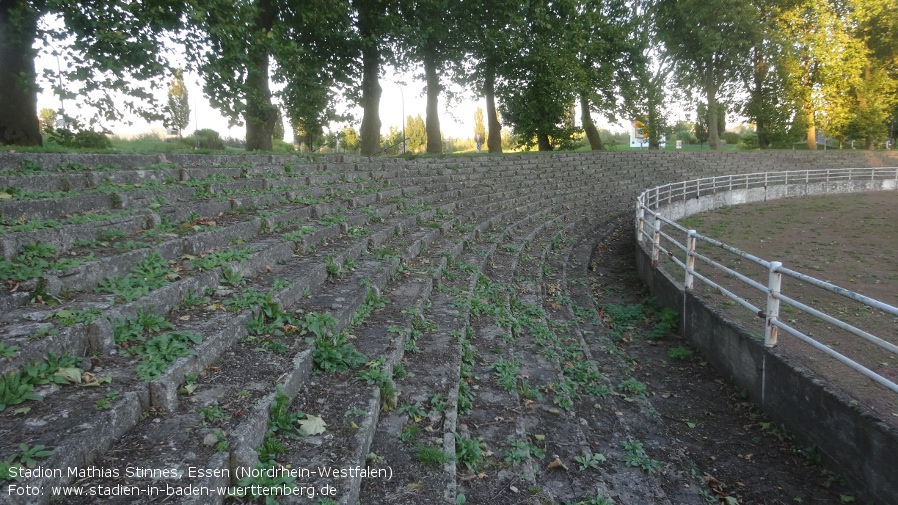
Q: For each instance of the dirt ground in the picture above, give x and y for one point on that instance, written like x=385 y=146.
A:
x=848 y=240
x=711 y=435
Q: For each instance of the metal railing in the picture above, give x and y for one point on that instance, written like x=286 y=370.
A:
x=651 y=226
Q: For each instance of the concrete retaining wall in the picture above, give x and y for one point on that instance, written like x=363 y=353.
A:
x=862 y=448
x=679 y=209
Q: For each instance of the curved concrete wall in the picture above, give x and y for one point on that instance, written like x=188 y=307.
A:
x=862 y=447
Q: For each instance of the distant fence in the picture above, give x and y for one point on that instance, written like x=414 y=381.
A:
x=658 y=209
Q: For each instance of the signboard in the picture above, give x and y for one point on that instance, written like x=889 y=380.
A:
x=638 y=138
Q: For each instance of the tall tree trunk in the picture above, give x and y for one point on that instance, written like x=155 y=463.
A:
x=494 y=138
x=543 y=142
x=18 y=106
x=432 y=124
x=371 y=90
x=812 y=128
x=713 y=134
x=260 y=114
x=595 y=141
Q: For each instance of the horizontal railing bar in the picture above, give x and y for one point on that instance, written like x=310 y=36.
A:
x=870 y=374
x=729 y=294
x=751 y=257
x=866 y=300
x=762 y=288
x=838 y=322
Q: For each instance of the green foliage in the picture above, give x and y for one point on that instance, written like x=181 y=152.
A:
x=161 y=351
x=14 y=390
x=205 y=139
x=679 y=353
x=222 y=258
x=469 y=451
x=178 y=109
x=635 y=456
x=430 y=455
x=8 y=351
x=78 y=137
x=632 y=386
x=27 y=456
x=151 y=273
x=590 y=461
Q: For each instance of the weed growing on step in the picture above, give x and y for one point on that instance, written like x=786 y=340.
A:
x=161 y=351
x=71 y=317
x=212 y=413
x=105 y=403
x=469 y=451
x=153 y=272
x=521 y=452
x=376 y=373
x=590 y=460
x=331 y=351
x=431 y=455
x=336 y=218
x=26 y=457
x=193 y=298
x=8 y=351
x=633 y=387
x=506 y=372
x=17 y=386
x=25 y=225
x=635 y=456
x=34 y=260
x=297 y=234
x=679 y=353
x=221 y=258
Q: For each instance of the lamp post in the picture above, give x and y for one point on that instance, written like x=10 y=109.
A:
x=402 y=95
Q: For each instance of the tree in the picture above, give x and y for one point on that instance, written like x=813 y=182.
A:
x=307 y=42
x=349 y=139
x=708 y=41
x=415 y=134
x=430 y=36
x=278 y=132
x=375 y=26
x=479 y=128
x=178 y=109
x=47 y=119
x=107 y=46
x=701 y=123
x=485 y=29
x=823 y=63
x=604 y=36
x=538 y=86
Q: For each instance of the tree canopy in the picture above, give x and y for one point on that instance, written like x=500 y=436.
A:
x=794 y=67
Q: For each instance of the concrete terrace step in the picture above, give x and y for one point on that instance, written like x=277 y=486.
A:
x=474 y=254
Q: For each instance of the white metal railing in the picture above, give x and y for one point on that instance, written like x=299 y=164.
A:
x=649 y=221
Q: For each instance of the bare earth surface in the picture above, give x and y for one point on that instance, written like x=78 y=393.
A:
x=848 y=240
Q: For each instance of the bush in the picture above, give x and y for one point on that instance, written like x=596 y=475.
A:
x=79 y=137
x=208 y=139
x=749 y=141
x=279 y=146
x=731 y=138
x=234 y=142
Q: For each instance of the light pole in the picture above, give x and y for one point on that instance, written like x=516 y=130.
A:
x=402 y=95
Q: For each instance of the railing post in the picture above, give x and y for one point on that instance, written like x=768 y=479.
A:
x=774 y=284
x=690 y=260
x=656 y=242
x=640 y=221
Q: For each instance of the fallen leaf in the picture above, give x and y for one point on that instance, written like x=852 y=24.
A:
x=691 y=425
x=70 y=374
x=22 y=410
x=312 y=425
x=556 y=463
x=539 y=437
